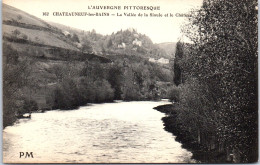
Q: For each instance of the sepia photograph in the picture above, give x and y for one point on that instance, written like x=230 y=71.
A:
x=94 y=81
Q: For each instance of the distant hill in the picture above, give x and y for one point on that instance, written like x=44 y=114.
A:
x=13 y=14
x=69 y=29
x=169 y=48
x=126 y=42
x=65 y=28
x=20 y=27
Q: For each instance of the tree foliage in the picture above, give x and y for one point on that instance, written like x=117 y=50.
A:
x=17 y=85
x=221 y=66
x=75 y=38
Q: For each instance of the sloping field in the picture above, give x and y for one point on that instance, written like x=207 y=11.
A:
x=37 y=36
x=11 y=13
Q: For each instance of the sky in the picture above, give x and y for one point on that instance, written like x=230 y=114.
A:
x=159 y=29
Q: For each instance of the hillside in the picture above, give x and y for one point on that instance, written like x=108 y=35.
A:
x=126 y=42
x=18 y=25
x=51 y=66
x=131 y=42
x=168 y=47
x=36 y=58
x=13 y=14
x=22 y=28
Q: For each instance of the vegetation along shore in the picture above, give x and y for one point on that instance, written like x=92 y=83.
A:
x=215 y=110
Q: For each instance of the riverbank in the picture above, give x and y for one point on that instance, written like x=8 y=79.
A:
x=200 y=154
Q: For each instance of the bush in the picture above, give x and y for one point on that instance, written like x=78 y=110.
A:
x=103 y=91
x=66 y=95
x=28 y=106
x=16 y=32
x=9 y=111
x=24 y=36
x=19 y=17
x=174 y=94
x=75 y=38
x=72 y=93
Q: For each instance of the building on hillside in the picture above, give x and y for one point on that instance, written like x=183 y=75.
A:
x=136 y=42
x=163 y=61
x=66 y=33
x=122 y=46
x=152 y=60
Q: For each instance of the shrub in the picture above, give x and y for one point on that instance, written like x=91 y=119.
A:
x=28 y=106
x=24 y=36
x=16 y=32
x=19 y=17
x=174 y=94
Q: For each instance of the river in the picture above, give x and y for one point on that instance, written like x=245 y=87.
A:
x=121 y=132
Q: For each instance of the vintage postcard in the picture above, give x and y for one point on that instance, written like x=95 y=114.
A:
x=93 y=81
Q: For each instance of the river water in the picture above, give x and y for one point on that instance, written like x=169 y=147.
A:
x=122 y=132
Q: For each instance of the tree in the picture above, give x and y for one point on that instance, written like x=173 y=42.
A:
x=87 y=46
x=177 y=67
x=19 y=17
x=24 y=36
x=224 y=59
x=16 y=32
x=109 y=43
x=16 y=73
x=75 y=38
x=115 y=78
